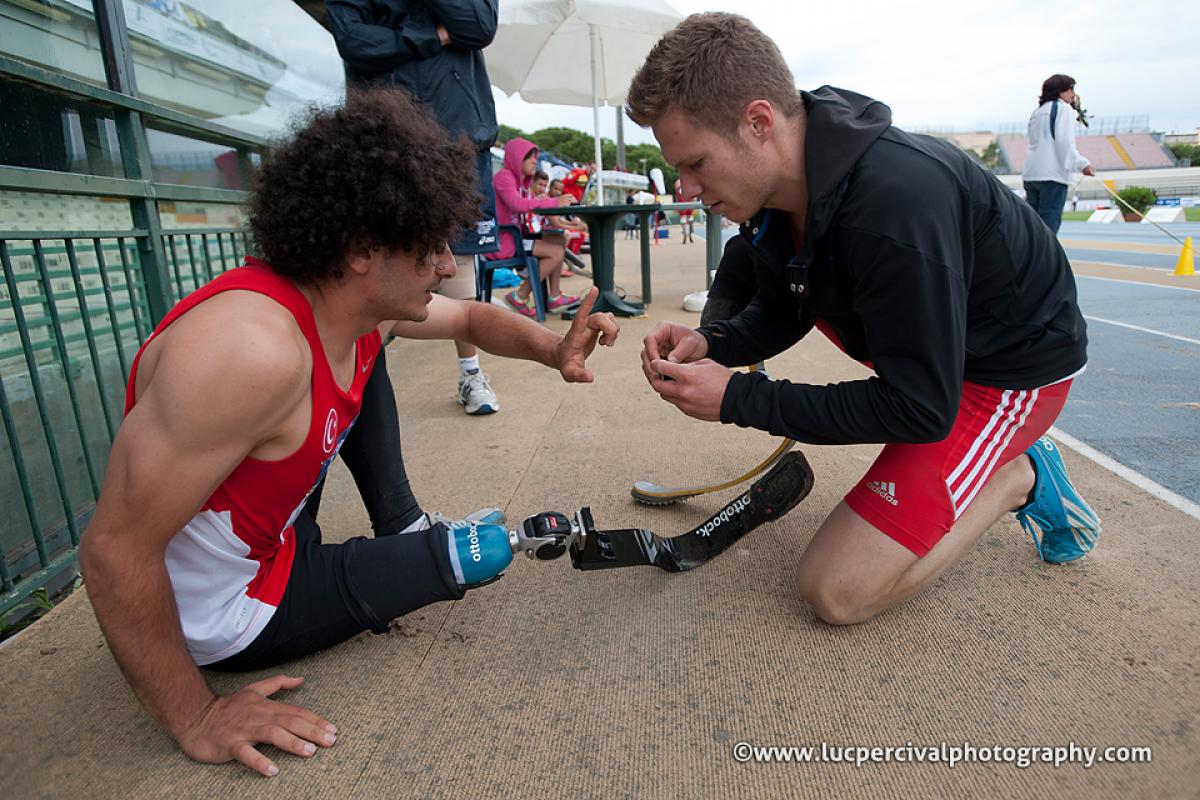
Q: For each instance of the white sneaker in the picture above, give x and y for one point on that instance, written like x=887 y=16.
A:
x=484 y=516
x=476 y=396
x=695 y=301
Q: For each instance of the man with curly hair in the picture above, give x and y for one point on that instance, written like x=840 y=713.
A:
x=203 y=550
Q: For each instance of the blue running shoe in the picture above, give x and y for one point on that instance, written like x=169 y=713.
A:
x=1069 y=526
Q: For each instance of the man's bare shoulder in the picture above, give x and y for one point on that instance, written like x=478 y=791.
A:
x=239 y=358
x=242 y=329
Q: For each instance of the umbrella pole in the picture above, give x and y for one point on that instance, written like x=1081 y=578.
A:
x=620 y=137
x=596 y=114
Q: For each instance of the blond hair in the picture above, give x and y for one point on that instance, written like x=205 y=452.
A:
x=710 y=66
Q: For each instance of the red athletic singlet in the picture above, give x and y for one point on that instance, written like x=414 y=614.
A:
x=230 y=564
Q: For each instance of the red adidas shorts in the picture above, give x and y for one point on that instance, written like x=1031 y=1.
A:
x=914 y=493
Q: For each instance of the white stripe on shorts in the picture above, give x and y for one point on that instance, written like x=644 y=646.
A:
x=980 y=459
x=987 y=473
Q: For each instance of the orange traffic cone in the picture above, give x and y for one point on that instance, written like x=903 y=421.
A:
x=1187 y=264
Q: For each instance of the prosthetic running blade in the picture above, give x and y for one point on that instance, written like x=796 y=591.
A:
x=655 y=495
x=768 y=499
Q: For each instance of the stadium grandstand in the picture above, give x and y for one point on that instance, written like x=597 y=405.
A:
x=1122 y=149
x=1109 y=143
x=1106 y=152
x=1176 y=182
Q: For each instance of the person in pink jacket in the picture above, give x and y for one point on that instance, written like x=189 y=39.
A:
x=513 y=201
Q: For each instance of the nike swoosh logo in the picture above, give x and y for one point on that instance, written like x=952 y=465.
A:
x=367 y=366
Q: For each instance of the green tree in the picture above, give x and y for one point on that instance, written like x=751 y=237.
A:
x=574 y=145
x=991 y=156
x=567 y=143
x=1188 y=151
x=636 y=153
x=508 y=132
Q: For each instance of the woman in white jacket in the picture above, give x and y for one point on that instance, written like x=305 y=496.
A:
x=1052 y=157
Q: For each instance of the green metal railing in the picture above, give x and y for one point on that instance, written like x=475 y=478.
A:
x=76 y=304
x=201 y=254
x=74 y=308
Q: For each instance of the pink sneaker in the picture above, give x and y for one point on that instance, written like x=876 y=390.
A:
x=523 y=307
x=564 y=302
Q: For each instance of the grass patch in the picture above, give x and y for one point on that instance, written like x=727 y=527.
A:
x=1191 y=214
x=34 y=607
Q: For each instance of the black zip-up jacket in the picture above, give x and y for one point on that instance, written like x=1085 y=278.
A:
x=921 y=262
x=396 y=42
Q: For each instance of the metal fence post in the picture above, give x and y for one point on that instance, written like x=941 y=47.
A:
x=135 y=155
x=135 y=152
x=712 y=241
x=645 y=246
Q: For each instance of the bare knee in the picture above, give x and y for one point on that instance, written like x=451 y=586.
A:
x=851 y=570
x=833 y=597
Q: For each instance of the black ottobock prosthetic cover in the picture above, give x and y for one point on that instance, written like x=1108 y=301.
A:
x=767 y=499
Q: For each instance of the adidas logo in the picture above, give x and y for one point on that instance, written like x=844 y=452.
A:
x=885 y=490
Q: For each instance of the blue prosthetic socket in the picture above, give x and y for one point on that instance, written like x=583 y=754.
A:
x=478 y=553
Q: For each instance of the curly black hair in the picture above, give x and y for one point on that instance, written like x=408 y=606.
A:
x=377 y=170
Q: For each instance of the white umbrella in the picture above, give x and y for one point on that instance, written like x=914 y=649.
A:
x=540 y=43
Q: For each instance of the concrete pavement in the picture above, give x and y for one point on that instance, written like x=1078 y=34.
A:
x=636 y=683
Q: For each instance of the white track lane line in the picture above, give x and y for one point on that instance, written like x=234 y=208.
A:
x=1120 y=470
x=1139 y=328
x=1123 y=266
x=1137 y=283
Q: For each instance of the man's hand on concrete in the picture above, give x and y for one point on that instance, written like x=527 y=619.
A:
x=672 y=342
x=232 y=725
x=586 y=330
x=696 y=389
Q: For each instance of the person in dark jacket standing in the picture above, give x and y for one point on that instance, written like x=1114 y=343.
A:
x=910 y=258
x=434 y=49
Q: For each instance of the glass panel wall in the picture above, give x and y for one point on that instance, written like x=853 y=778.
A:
x=194 y=162
x=60 y=35
x=249 y=66
x=43 y=130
